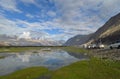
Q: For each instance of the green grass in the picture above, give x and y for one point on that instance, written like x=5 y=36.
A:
x=21 y=49
x=18 y=49
x=28 y=73
x=1 y=57
x=75 y=49
x=92 y=69
x=24 y=48
x=87 y=69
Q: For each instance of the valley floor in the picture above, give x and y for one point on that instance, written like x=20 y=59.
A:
x=102 y=65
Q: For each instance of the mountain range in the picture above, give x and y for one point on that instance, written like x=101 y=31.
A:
x=107 y=34
x=14 y=41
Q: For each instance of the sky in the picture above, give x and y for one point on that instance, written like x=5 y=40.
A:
x=54 y=19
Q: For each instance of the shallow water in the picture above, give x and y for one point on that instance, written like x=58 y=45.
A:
x=52 y=59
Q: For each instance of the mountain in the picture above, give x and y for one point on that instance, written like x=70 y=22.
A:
x=4 y=40
x=14 y=41
x=107 y=34
x=77 y=40
x=24 y=42
x=49 y=42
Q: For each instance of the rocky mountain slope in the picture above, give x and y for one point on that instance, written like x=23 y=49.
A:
x=77 y=40
x=107 y=34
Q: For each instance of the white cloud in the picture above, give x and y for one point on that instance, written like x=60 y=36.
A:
x=9 y=5
x=25 y=35
x=31 y=2
x=29 y=16
x=36 y=29
x=86 y=14
x=109 y=8
x=8 y=26
x=78 y=8
x=51 y=13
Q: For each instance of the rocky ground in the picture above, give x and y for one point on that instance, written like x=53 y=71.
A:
x=113 y=54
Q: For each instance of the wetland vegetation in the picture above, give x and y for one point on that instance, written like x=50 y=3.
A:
x=94 y=68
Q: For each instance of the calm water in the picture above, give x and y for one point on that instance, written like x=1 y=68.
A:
x=53 y=59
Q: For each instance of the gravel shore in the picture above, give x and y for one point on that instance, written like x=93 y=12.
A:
x=113 y=54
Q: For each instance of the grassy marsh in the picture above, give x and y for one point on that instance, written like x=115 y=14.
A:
x=1 y=57
x=94 y=68
x=18 y=49
x=28 y=73
x=91 y=69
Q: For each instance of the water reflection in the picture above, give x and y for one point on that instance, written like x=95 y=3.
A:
x=24 y=57
x=53 y=59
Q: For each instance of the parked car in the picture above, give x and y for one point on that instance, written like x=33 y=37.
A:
x=101 y=46
x=91 y=46
x=115 y=45
x=96 y=46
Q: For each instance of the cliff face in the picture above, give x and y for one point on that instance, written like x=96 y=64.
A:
x=107 y=34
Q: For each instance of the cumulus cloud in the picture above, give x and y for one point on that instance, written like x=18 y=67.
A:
x=10 y=5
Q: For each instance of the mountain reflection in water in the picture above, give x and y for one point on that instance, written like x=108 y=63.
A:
x=53 y=59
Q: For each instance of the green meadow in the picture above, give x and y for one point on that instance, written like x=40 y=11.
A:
x=28 y=73
x=17 y=49
x=91 y=69
x=2 y=57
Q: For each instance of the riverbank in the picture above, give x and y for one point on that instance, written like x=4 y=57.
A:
x=4 y=49
x=103 y=64
x=91 y=69
x=88 y=69
x=18 y=49
x=113 y=54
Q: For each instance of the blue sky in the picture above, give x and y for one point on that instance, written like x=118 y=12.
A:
x=55 y=19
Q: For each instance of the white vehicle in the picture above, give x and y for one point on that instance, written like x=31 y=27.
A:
x=101 y=46
x=96 y=46
x=91 y=46
x=115 y=45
